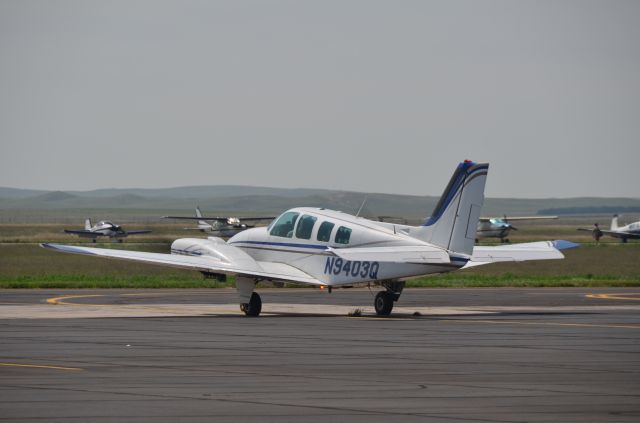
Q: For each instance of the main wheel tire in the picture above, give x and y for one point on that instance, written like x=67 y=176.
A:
x=383 y=303
x=253 y=307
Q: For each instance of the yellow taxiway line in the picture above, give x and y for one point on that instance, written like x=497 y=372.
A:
x=516 y=322
x=42 y=366
x=60 y=300
x=631 y=296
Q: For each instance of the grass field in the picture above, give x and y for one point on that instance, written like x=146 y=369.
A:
x=23 y=264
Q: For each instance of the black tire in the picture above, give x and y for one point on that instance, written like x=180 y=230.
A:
x=254 y=307
x=383 y=303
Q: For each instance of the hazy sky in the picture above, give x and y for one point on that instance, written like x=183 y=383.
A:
x=380 y=96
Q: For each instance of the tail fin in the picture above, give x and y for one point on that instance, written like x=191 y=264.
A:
x=614 y=222
x=87 y=224
x=454 y=221
x=201 y=223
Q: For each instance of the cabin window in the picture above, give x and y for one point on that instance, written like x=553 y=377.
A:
x=342 y=235
x=305 y=226
x=324 y=232
x=285 y=224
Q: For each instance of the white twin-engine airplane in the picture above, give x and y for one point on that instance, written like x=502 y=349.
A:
x=331 y=249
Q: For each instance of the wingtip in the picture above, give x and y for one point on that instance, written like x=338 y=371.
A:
x=561 y=244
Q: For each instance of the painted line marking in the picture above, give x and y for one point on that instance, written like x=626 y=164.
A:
x=631 y=296
x=42 y=366
x=516 y=322
x=151 y=307
x=60 y=300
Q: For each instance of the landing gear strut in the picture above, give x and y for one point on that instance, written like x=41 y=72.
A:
x=253 y=307
x=250 y=302
x=385 y=299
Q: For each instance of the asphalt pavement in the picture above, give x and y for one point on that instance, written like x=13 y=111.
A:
x=445 y=355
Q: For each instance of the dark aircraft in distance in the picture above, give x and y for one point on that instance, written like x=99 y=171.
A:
x=630 y=231
x=222 y=226
x=103 y=228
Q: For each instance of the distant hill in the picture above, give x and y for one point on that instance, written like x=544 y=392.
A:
x=590 y=210
x=250 y=200
x=6 y=192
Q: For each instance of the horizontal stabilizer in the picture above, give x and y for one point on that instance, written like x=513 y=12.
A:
x=543 y=250
x=411 y=254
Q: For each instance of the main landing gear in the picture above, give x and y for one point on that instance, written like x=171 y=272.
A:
x=384 y=300
x=250 y=302
x=253 y=307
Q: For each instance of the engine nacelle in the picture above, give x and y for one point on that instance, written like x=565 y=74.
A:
x=211 y=247
x=217 y=252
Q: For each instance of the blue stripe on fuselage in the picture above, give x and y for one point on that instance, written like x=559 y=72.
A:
x=283 y=244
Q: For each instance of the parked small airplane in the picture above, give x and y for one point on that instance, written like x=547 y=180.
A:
x=225 y=227
x=496 y=227
x=630 y=231
x=330 y=249
x=103 y=228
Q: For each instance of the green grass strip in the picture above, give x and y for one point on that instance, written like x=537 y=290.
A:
x=58 y=281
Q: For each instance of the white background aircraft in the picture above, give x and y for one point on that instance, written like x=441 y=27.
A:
x=103 y=228
x=630 y=231
x=330 y=248
x=496 y=227
x=225 y=227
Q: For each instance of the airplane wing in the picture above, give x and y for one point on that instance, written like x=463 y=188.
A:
x=137 y=232
x=542 y=250
x=236 y=262
x=219 y=218
x=83 y=232
x=618 y=234
x=412 y=254
x=509 y=218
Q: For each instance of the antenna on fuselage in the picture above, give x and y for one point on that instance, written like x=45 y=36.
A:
x=366 y=197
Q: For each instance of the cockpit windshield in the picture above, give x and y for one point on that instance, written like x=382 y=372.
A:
x=284 y=224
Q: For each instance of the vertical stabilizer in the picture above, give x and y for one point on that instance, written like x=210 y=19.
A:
x=199 y=214
x=87 y=224
x=454 y=221
x=614 y=222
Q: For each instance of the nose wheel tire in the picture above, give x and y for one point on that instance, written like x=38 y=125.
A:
x=383 y=303
x=253 y=307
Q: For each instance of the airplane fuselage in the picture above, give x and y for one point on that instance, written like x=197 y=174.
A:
x=630 y=231
x=308 y=250
x=494 y=228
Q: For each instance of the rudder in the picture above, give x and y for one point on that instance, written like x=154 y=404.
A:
x=453 y=222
